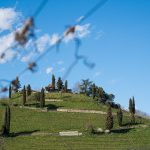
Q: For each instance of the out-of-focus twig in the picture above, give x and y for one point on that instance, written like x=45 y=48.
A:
x=23 y=35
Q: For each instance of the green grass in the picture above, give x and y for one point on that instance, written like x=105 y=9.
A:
x=135 y=140
x=76 y=101
x=30 y=121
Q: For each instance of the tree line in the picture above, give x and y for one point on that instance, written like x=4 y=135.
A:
x=57 y=85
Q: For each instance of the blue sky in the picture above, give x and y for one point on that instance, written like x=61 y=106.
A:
x=117 y=40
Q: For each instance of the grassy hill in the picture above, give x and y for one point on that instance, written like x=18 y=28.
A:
x=26 y=126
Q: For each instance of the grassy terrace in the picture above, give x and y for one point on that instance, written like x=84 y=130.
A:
x=74 y=101
x=24 y=121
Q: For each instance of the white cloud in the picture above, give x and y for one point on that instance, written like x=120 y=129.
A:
x=6 y=42
x=69 y=37
x=62 y=69
x=113 y=81
x=81 y=31
x=8 y=17
x=43 y=42
x=9 y=55
x=97 y=74
x=49 y=70
x=6 y=45
x=60 y=62
x=54 y=39
x=28 y=57
x=99 y=34
x=80 y=18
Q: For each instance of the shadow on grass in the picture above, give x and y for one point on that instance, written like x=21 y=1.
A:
x=52 y=106
x=24 y=133
x=121 y=130
x=130 y=124
x=49 y=106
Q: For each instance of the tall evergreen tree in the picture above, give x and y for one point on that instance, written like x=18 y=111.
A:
x=24 y=95
x=93 y=91
x=119 y=116
x=10 y=91
x=53 y=82
x=6 y=122
x=42 y=98
x=133 y=105
x=66 y=86
x=130 y=105
x=109 y=119
x=29 y=90
x=59 y=84
x=132 y=109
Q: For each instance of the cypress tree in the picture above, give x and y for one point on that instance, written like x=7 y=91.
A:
x=133 y=105
x=66 y=86
x=10 y=91
x=53 y=82
x=119 y=116
x=132 y=109
x=93 y=91
x=59 y=84
x=132 y=118
x=24 y=95
x=42 y=98
x=29 y=91
x=6 y=122
x=130 y=105
x=109 y=119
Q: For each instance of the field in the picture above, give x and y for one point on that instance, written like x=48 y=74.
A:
x=29 y=127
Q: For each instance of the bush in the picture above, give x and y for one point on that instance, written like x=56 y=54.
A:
x=36 y=97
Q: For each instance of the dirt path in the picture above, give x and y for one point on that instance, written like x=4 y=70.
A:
x=37 y=133
x=53 y=100
x=81 y=111
x=68 y=110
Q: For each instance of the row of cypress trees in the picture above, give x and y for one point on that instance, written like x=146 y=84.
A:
x=59 y=84
x=26 y=92
x=132 y=109
x=40 y=96
x=109 y=118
